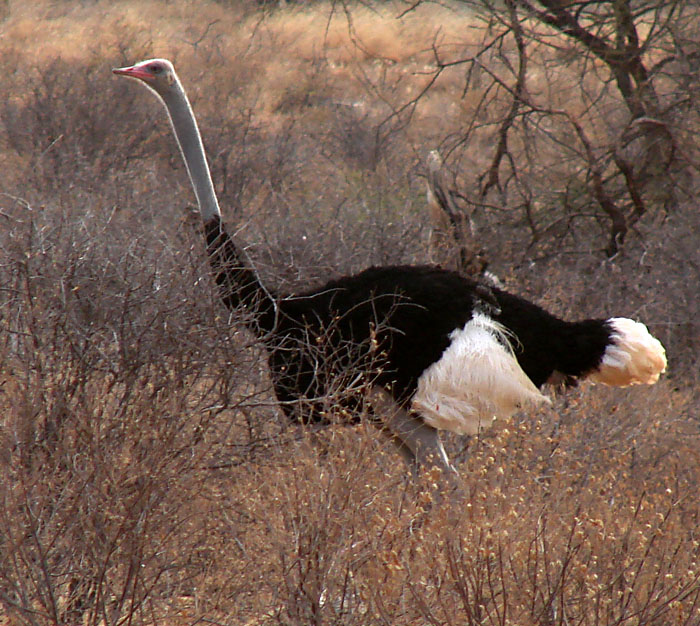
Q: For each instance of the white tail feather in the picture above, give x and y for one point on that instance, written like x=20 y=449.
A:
x=477 y=380
x=634 y=357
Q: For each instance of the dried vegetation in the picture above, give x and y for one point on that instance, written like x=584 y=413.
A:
x=146 y=474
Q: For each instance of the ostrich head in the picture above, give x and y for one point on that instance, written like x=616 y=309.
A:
x=160 y=77
x=158 y=74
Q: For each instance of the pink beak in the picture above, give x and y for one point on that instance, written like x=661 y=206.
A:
x=133 y=72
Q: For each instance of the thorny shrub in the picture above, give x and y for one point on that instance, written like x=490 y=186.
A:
x=147 y=477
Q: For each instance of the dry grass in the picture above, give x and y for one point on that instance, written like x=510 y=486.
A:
x=148 y=477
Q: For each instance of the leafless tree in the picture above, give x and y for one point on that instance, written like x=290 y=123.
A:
x=584 y=107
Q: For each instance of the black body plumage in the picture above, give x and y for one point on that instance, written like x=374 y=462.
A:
x=388 y=324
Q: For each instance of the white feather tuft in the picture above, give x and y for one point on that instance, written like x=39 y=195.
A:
x=634 y=357
x=476 y=380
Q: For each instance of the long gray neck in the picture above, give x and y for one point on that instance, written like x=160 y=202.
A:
x=190 y=142
x=238 y=283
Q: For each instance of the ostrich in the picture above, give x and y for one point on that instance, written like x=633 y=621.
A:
x=428 y=349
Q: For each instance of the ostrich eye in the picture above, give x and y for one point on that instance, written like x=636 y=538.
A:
x=156 y=69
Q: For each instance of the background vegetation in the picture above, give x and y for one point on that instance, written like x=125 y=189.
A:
x=146 y=476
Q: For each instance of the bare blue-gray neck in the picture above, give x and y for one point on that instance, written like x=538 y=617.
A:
x=190 y=142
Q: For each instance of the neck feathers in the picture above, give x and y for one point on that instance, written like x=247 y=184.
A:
x=238 y=284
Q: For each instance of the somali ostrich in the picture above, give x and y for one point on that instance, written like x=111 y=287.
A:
x=430 y=348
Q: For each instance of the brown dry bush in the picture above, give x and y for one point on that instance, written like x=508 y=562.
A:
x=147 y=476
x=107 y=410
